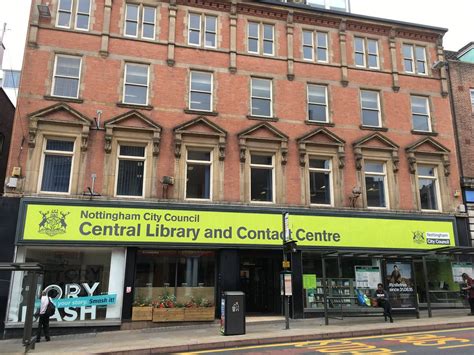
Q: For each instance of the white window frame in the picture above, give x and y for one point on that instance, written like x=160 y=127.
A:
x=428 y=114
x=70 y=15
x=414 y=59
x=206 y=17
x=198 y=162
x=140 y=21
x=45 y=152
x=262 y=166
x=137 y=20
x=134 y=158
x=203 y=19
x=210 y=92
x=272 y=40
x=321 y=170
x=261 y=98
x=378 y=110
x=315 y=45
x=194 y=29
x=326 y=104
x=261 y=38
x=251 y=37
x=435 y=178
x=385 y=183
x=318 y=46
x=143 y=22
x=471 y=91
x=141 y=85
x=306 y=45
x=83 y=13
x=69 y=77
x=365 y=52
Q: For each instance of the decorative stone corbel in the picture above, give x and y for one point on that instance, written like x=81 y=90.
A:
x=108 y=140
x=108 y=144
x=84 y=138
x=302 y=154
x=221 y=147
x=284 y=158
x=32 y=134
x=412 y=162
x=284 y=152
x=341 y=156
x=156 y=143
x=395 y=161
x=358 y=158
x=177 y=145
x=243 y=150
x=446 y=165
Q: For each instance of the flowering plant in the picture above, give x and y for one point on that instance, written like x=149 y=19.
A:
x=198 y=302
x=167 y=301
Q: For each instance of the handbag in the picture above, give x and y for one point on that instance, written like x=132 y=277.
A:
x=50 y=309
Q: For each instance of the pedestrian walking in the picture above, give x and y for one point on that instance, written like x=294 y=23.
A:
x=382 y=301
x=470 y=291
x=47 y=309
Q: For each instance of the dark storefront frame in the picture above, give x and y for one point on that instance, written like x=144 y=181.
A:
x=225 y=250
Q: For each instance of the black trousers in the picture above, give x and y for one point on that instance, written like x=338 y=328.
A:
x=387 y=308
x=43 y=324
x=471 y=303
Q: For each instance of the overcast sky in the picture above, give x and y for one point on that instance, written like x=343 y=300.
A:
x=456 y=15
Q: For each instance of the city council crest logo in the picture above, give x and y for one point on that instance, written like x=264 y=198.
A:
x=53 y=222
x=418 y=237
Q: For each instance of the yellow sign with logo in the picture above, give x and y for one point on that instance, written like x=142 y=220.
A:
x=89 y=224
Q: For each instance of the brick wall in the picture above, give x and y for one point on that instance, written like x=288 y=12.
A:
x=102 y=80
x=461 y=75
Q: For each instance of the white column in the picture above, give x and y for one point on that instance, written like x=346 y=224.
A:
x=116 y=281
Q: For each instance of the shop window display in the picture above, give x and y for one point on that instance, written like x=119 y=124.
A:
x=342 y=282
x=167 y=279
x=72 y=278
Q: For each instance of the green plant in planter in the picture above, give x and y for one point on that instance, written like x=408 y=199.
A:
x=141 y=302
x=197 y=302
x=167 y=300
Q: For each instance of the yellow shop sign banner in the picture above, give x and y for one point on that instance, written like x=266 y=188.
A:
x=88 y=224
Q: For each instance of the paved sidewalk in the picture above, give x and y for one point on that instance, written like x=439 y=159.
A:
x=206 y=336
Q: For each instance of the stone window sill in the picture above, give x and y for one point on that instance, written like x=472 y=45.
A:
x=201 y=113
x=323 y=124
x=63 y=99
x=370 y=128
x=262 y=118
x=423 y=133
x=133 y=106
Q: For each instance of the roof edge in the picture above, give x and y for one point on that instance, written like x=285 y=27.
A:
x=349 y=14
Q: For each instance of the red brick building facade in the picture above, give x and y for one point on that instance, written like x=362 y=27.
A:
x=461 y=76
x=242 y=106
x=104 y=51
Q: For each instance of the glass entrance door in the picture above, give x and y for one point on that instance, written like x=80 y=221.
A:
x=259 y=280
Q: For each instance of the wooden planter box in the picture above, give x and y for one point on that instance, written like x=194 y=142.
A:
x=168 y=314
x=199 y=314
x=142 y=313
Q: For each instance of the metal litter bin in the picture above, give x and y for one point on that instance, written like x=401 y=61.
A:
x=233 y=313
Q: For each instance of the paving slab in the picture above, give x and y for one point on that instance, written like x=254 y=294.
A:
x=201 y=337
